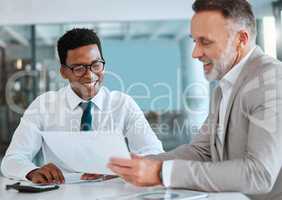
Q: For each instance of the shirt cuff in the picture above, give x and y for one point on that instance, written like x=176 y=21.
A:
x=25 y=171
x=166 y=172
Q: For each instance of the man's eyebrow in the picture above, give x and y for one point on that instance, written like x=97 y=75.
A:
x=95 y=60
x=204 y=38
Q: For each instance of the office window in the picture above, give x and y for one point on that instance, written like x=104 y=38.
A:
x=270 y=36
x=142 y=59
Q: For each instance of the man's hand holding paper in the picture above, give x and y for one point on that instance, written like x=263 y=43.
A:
x=85 y=152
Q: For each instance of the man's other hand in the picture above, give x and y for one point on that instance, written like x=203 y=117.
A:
x=47 y=174
x=138 y=171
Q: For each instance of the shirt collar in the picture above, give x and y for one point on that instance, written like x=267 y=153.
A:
x=74 y=100
x=230 y=77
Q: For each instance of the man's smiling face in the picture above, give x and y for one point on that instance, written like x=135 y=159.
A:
x=87 y=85
x=215 y=46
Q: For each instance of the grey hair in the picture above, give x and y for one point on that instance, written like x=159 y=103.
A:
x=238 y=11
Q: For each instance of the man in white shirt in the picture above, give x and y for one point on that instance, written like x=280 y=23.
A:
x=239 y=146
x=82 y=105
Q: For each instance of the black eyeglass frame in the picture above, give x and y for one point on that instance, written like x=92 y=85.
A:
x=86 y=67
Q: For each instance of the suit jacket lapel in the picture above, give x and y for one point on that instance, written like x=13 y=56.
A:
x=239 y=83
x=213 y=123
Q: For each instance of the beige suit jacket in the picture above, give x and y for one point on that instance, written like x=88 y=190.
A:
x=250 y=158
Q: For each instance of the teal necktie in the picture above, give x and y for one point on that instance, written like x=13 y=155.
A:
x=86 y=119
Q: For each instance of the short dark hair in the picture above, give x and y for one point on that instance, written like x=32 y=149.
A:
x=236 y=10
x=75 y=38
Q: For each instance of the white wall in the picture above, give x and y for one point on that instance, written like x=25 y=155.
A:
x=57 y=11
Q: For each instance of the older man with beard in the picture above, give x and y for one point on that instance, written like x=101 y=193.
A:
x=239 y=146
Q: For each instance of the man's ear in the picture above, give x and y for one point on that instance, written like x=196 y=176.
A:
x=244 y=38
x=63 y=72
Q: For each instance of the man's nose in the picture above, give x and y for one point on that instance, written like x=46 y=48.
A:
x=197 y=52
x=88 y=73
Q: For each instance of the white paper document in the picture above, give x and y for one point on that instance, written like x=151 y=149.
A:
x=70 y=178
x=87 y=152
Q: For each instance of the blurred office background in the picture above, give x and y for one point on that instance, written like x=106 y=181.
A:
x=147 y=50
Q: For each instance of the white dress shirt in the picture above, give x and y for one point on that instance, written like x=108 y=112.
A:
x=226 y=85
x=60 y=111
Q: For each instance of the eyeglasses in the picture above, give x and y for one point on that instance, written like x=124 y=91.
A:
x=96 y=66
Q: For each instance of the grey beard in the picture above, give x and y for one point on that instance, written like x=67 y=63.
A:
x=213 y=75
x=223 y=66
